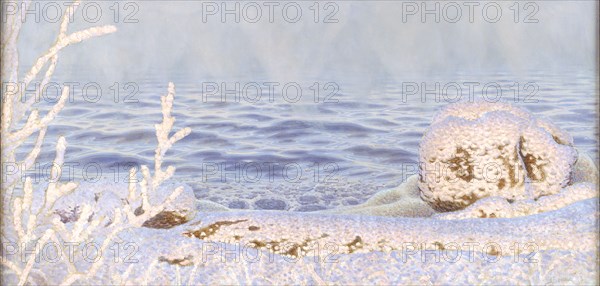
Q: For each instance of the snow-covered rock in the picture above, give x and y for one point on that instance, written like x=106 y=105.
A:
x=498 y=207
x=107 y=196
x=477 y=150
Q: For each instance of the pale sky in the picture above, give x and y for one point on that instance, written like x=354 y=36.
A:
x=369 y=38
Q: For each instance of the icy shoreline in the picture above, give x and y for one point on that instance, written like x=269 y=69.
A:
x=553 y=247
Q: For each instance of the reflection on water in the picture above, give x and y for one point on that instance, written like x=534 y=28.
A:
x=303 y=155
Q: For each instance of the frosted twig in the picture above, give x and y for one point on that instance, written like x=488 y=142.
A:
x=42 y=222
x=63 y=42
x=13 y=110
x=32 y=259
x=34 y=124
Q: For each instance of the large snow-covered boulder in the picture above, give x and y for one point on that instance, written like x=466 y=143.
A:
x=477 y=150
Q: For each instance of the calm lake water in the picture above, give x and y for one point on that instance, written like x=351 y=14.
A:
x=359 y=138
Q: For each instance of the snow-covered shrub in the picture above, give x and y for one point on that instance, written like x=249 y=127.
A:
x=29 y=219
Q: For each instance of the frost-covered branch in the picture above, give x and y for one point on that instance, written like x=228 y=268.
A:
x=14 y=108
x=33 y=219
x=137 y=217
x=164 y=141
x=150 y=183
x=87 y=224
x=20 y=222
